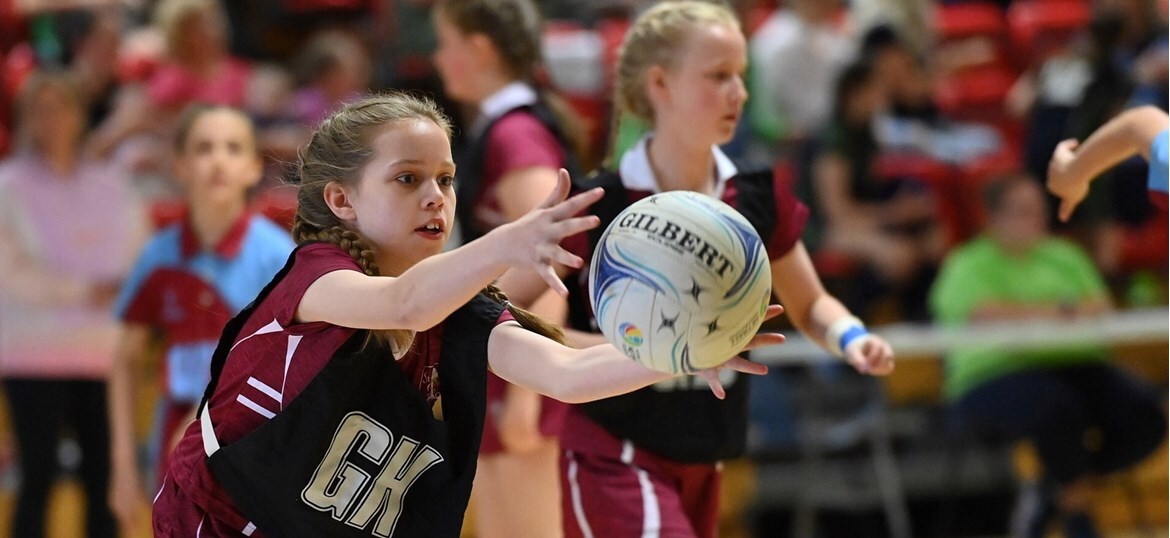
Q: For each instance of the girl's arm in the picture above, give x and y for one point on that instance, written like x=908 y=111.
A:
x=823 y=318
x=125 y=491
x=428 y=292
x=583 y=375
x=1074 y=166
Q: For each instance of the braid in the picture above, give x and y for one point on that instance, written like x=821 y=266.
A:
x=345 y=238
x=526 y=319
x=357 y=247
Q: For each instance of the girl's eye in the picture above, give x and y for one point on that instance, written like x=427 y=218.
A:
x=447 y=181
x=405 y=178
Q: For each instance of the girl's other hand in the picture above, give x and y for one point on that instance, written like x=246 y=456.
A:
x=740 y=364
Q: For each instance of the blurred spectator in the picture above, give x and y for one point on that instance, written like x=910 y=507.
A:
x=796 y=56
x=72 y=226
x=890 y=225
x=911 y=19
x=198 y=69
x=188 y=282
x=1083 y=415
x=89 y=42
x=1142 y=48
x=913 y=121
x=333 y=69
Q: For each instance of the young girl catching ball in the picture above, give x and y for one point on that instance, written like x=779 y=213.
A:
x=348 y=399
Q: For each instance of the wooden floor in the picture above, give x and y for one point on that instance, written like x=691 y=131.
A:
x=68 y=501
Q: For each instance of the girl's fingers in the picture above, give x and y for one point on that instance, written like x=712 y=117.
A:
x=576 y=204
x=550 y=277
x=574 y=226
x=559 y=192
x=773 y=311
x=567 y=258
x=764 y=339
x=713 y=382
x=740 y=364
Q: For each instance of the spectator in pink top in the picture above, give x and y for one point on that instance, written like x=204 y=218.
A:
x=72 y=228
x=199 y=68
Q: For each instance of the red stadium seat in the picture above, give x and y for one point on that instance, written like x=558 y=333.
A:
x=976 y=94
x=938 y=175
x=1145 y=246
x=1041 y=27
x=18 y=65
x=972 y=19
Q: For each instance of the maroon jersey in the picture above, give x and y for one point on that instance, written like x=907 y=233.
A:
x=272 y=359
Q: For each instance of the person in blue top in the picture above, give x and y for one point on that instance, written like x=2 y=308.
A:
x=1074 y=165
x=191 y=278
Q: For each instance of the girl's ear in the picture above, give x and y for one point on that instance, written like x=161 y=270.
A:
x=656 y=87
x=256 y=170
x=485 y=50
x=339 y=201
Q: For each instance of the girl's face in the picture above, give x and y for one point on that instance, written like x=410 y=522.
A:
x=56 y=118
x=705 y=90
x=457 y=57
x=218 y=162
x=404 y=201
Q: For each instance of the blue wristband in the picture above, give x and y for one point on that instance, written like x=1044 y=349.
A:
x=850 y=335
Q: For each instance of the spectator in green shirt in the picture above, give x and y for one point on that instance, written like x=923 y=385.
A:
x=1057 y=397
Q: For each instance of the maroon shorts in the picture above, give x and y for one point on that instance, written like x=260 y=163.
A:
x=610 y=488
x=552 y=416
x=176 y=515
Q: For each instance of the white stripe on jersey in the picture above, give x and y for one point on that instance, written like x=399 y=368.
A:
x=575 y=494
x=248 y=530
x=268 y=391
x=293 y=342
x=273 y=327
x=255 y=406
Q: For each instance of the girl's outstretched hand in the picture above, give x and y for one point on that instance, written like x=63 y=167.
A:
x=870 y=354
x=1070 y=188
x=533 y=241
x=740 y=364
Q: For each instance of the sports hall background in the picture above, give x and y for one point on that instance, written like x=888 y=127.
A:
x=992 y=84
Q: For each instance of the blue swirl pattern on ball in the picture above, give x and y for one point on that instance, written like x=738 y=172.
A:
x=686 y=274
